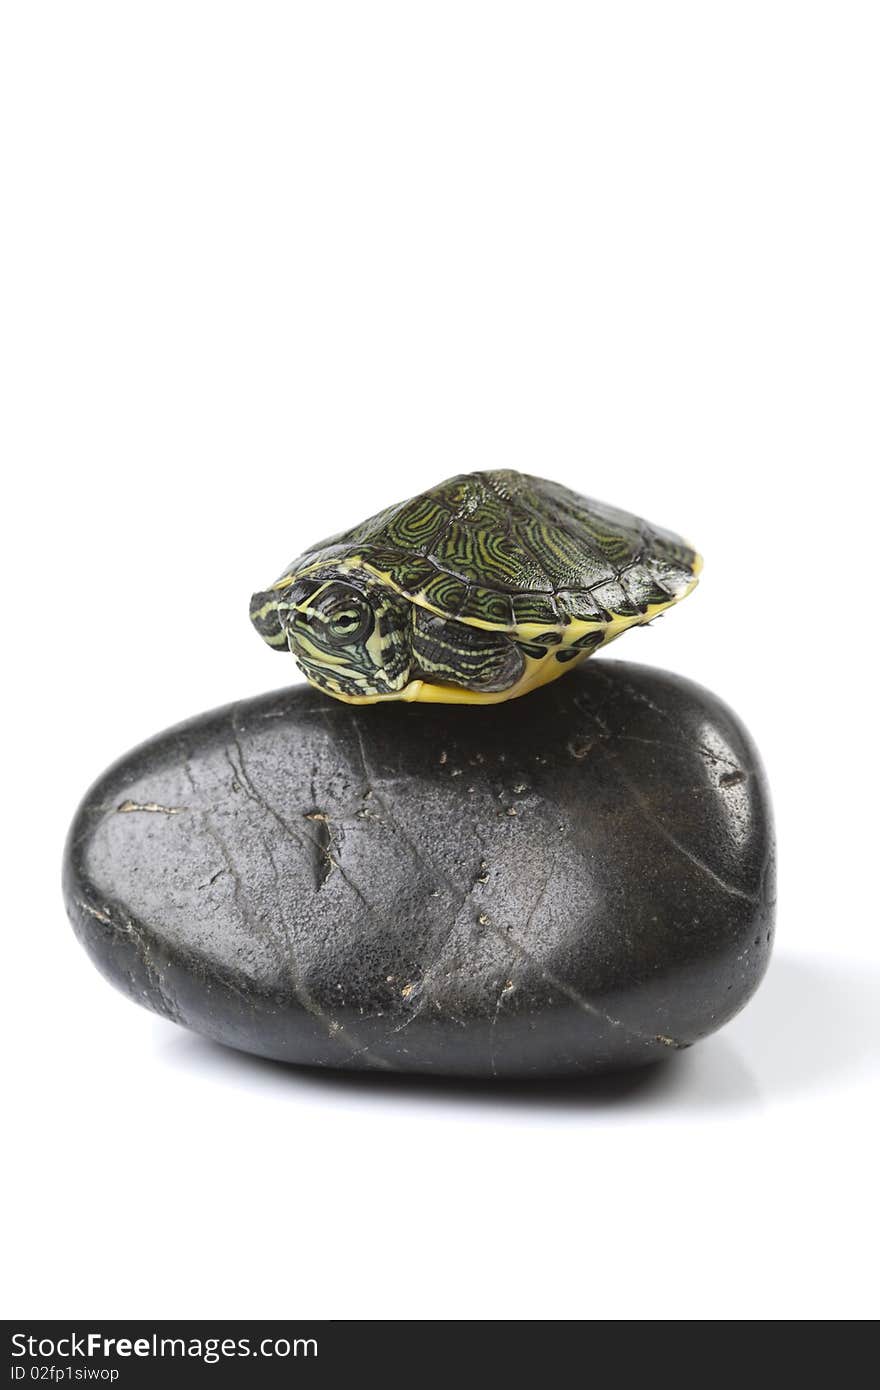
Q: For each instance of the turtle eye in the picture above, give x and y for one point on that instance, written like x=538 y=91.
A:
x=345 y=617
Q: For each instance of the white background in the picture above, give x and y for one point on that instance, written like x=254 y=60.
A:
x=269 y=267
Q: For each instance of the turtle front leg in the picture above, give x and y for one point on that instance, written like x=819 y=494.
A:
x=450 y=653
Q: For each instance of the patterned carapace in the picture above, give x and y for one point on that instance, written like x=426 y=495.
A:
x=477 y=591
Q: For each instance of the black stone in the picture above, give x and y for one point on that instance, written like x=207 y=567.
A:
x=567 y=883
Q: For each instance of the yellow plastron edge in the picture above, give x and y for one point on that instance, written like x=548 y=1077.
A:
x=537 y=671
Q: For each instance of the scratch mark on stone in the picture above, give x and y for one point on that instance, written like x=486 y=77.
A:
x=241 y=771
x=579 y=747
x=732 y=779
x=285 y=947
x=323 y=861
x=698 y=863
x=506 y=989
x=539 y=902
x=675 y=744
x=584 y=1004
x=461 y=898
x=217 y=839
x=128 y=806
x=163 y=1002
x=650 y=814
x=368 y=777
x=94 y=912
x=212 y=880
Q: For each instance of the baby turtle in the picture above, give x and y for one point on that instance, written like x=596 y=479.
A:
x=474 y=592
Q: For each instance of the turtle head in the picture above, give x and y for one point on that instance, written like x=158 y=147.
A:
x=349 y=632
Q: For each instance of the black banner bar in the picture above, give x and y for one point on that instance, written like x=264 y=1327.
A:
x=140 y=1353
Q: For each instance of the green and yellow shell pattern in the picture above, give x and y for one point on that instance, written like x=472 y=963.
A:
x=477 y=591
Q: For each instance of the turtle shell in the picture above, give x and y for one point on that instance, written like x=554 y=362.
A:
x=509 y=551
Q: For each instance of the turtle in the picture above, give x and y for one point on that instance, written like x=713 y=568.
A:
x=477 y=591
